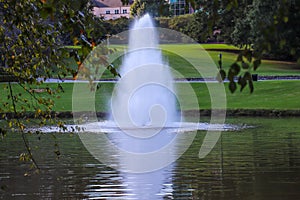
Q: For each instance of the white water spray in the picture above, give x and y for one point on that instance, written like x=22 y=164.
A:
x=144 y=95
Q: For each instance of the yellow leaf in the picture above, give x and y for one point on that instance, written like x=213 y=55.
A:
x=22 y=127
x=75 y=41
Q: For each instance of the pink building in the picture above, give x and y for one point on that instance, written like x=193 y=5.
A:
x=111 y=9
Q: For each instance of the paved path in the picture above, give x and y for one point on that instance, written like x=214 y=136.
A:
x=180 y=80
x=196 y=80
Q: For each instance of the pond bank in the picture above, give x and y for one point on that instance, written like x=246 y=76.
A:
x=247 y=112
x=191 y=113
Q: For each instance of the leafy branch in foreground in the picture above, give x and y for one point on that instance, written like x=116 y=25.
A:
x=35 y=36
x=21 y=126
x=266 y=29
x=239 y=72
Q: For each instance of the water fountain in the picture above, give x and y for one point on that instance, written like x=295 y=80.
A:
x=146 y=85
x=144 y=125
x=143 y=134
x=143 y=109
x=144 y=101
x=143 y=105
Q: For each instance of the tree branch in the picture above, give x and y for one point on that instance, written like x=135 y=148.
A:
x=21 y=128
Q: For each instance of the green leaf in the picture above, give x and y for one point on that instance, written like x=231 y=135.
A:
x=248 y=55
x=221 y=75
x=47 y=11
x=239 y=58
x=235 y=69
x=245 y=65
x=230 y=75
x=242 y=82
x=232 y=86
x=256 y=64
x=86 y=50
x=235 y=3
x=229 y=7
x=88 y=32
x=247 y=76
x=44 y=13
x=251 y=87
x=113 y=70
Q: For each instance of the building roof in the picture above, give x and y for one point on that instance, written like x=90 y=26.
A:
x=108 y=3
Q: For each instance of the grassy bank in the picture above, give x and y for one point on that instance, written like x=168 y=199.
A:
x=184 y=58
x=278 y=95
x=195 y=52
x=271 y=95
x=187 y=60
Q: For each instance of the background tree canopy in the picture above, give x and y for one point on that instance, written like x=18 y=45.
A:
x=155 y=8
x=263 y=29
x=268 y=27
x=272 y=28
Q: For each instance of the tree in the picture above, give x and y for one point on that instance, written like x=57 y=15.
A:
x=266 y=28
x=155 y=8
x=187 y=24
x=277 y=33
x=117 y=26
x=33 y=35
x=260 y=28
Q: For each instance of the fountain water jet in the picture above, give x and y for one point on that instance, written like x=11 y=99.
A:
x=143 y=103
x=145 y=95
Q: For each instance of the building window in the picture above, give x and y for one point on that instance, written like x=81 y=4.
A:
x=124 y=11
x=116 y=11
x=107 y=12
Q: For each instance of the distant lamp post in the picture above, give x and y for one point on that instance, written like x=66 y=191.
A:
x=220 y=60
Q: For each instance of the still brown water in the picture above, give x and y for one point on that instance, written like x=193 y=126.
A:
x=255 y=163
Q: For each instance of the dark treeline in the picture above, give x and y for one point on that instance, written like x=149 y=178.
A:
x=270 y=27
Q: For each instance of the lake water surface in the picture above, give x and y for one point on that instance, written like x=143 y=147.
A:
x=254 y=163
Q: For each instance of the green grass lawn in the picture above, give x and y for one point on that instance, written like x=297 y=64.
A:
x=203 y=54
x=278 y=95
x=185 y=57
x=187 y=60
x=212 y=46
x=267 y=68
